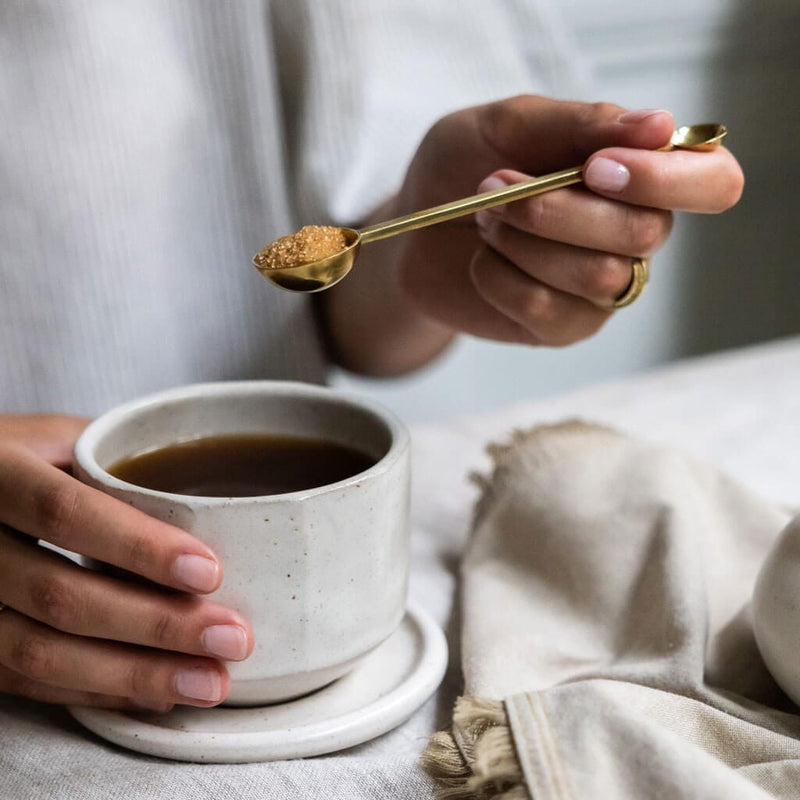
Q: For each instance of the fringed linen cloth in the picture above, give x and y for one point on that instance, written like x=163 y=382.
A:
x=607 y=645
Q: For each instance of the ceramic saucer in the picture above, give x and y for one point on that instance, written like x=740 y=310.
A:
x=392 y=682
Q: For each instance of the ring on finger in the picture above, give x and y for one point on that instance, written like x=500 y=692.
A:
x=639 y=278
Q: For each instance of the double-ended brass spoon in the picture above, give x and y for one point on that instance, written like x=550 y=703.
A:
x=314 y=276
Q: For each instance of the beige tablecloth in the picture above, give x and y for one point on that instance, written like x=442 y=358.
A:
x=739 y=411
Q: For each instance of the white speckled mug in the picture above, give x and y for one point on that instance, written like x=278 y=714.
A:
x=776 y=610
x=321 y=573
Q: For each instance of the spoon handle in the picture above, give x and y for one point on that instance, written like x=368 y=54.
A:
x=468 y=205
x=690 y=137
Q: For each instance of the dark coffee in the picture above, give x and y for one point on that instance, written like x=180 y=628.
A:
x=246 y=465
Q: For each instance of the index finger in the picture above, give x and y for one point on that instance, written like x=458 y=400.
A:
x=538 y=134
x=679 y=180
x=40 y=500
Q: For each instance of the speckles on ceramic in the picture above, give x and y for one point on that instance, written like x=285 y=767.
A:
x=776 y=610
x=321 y=574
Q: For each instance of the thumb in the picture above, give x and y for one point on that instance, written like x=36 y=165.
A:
x=537 y=135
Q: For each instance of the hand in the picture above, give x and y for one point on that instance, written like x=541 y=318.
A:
x=76 y=636
x=547 y=270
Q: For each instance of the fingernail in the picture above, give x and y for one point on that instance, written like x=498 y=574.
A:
x=606 y=175
x=199 y=684
x=483 y=219
x=490 y=184
x=640 y=114
x=225 y=641
x=197 y=572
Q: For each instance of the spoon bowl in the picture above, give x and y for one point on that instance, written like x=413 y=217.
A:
x=315 y=276
x=701 y=137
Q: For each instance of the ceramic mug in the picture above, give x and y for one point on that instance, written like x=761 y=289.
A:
x=321 y=574
x=776 y=610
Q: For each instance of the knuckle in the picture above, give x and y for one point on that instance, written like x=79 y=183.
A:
x=538 y=311
x=141 y=681
x=539 y=215
x=141 y=555
x=165 y=631
x=500 y=121
x=493 y=120
x=591 y=114
x=54 y=601
x=609 y=278
x=437 y=133
x=56 y=507
x=433 y=154
x=647 y=229
x=34 y=657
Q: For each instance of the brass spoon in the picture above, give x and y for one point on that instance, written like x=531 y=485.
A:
x=315 y=276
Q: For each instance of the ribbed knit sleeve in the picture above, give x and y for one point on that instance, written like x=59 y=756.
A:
x=141 y=166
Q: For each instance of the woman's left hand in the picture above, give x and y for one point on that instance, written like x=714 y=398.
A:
x=546 y=270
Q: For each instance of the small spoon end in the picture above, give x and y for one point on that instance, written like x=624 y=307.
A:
x=706 y=136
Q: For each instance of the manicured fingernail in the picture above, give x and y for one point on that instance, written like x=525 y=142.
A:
x=483 y=219
x=640 y=114
x=199 y=684
x=197 y=572
x=606 y=175
x=225 y=641
x=490 y=184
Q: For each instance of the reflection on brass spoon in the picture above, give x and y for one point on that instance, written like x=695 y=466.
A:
x=314 y=276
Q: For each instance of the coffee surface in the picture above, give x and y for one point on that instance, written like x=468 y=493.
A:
x=246 y=465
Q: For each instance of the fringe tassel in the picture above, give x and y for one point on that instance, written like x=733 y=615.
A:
x=476 y=760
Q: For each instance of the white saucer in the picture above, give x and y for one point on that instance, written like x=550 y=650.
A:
x=381 y=692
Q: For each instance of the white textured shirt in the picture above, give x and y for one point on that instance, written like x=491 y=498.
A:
x=149 y=148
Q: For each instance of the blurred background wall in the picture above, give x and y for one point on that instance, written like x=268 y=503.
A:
x=721 y=282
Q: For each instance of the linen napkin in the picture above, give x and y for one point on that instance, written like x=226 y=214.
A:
x=607 y=644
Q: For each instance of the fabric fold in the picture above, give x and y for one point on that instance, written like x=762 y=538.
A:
x=606 y=591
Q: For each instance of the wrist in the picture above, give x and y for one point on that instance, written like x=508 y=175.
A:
x=373 y=325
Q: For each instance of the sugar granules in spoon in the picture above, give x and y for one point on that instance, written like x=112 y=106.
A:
x=310 y=243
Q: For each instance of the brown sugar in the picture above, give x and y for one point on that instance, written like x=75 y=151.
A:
x=310 y=243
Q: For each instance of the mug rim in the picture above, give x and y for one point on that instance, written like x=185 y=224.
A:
x=95 y=431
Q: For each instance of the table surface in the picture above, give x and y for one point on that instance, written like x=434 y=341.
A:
x=739 y=410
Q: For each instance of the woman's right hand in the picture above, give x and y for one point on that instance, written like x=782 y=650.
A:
x=75 y=636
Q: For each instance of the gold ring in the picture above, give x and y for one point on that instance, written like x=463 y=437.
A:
x=641 y=274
